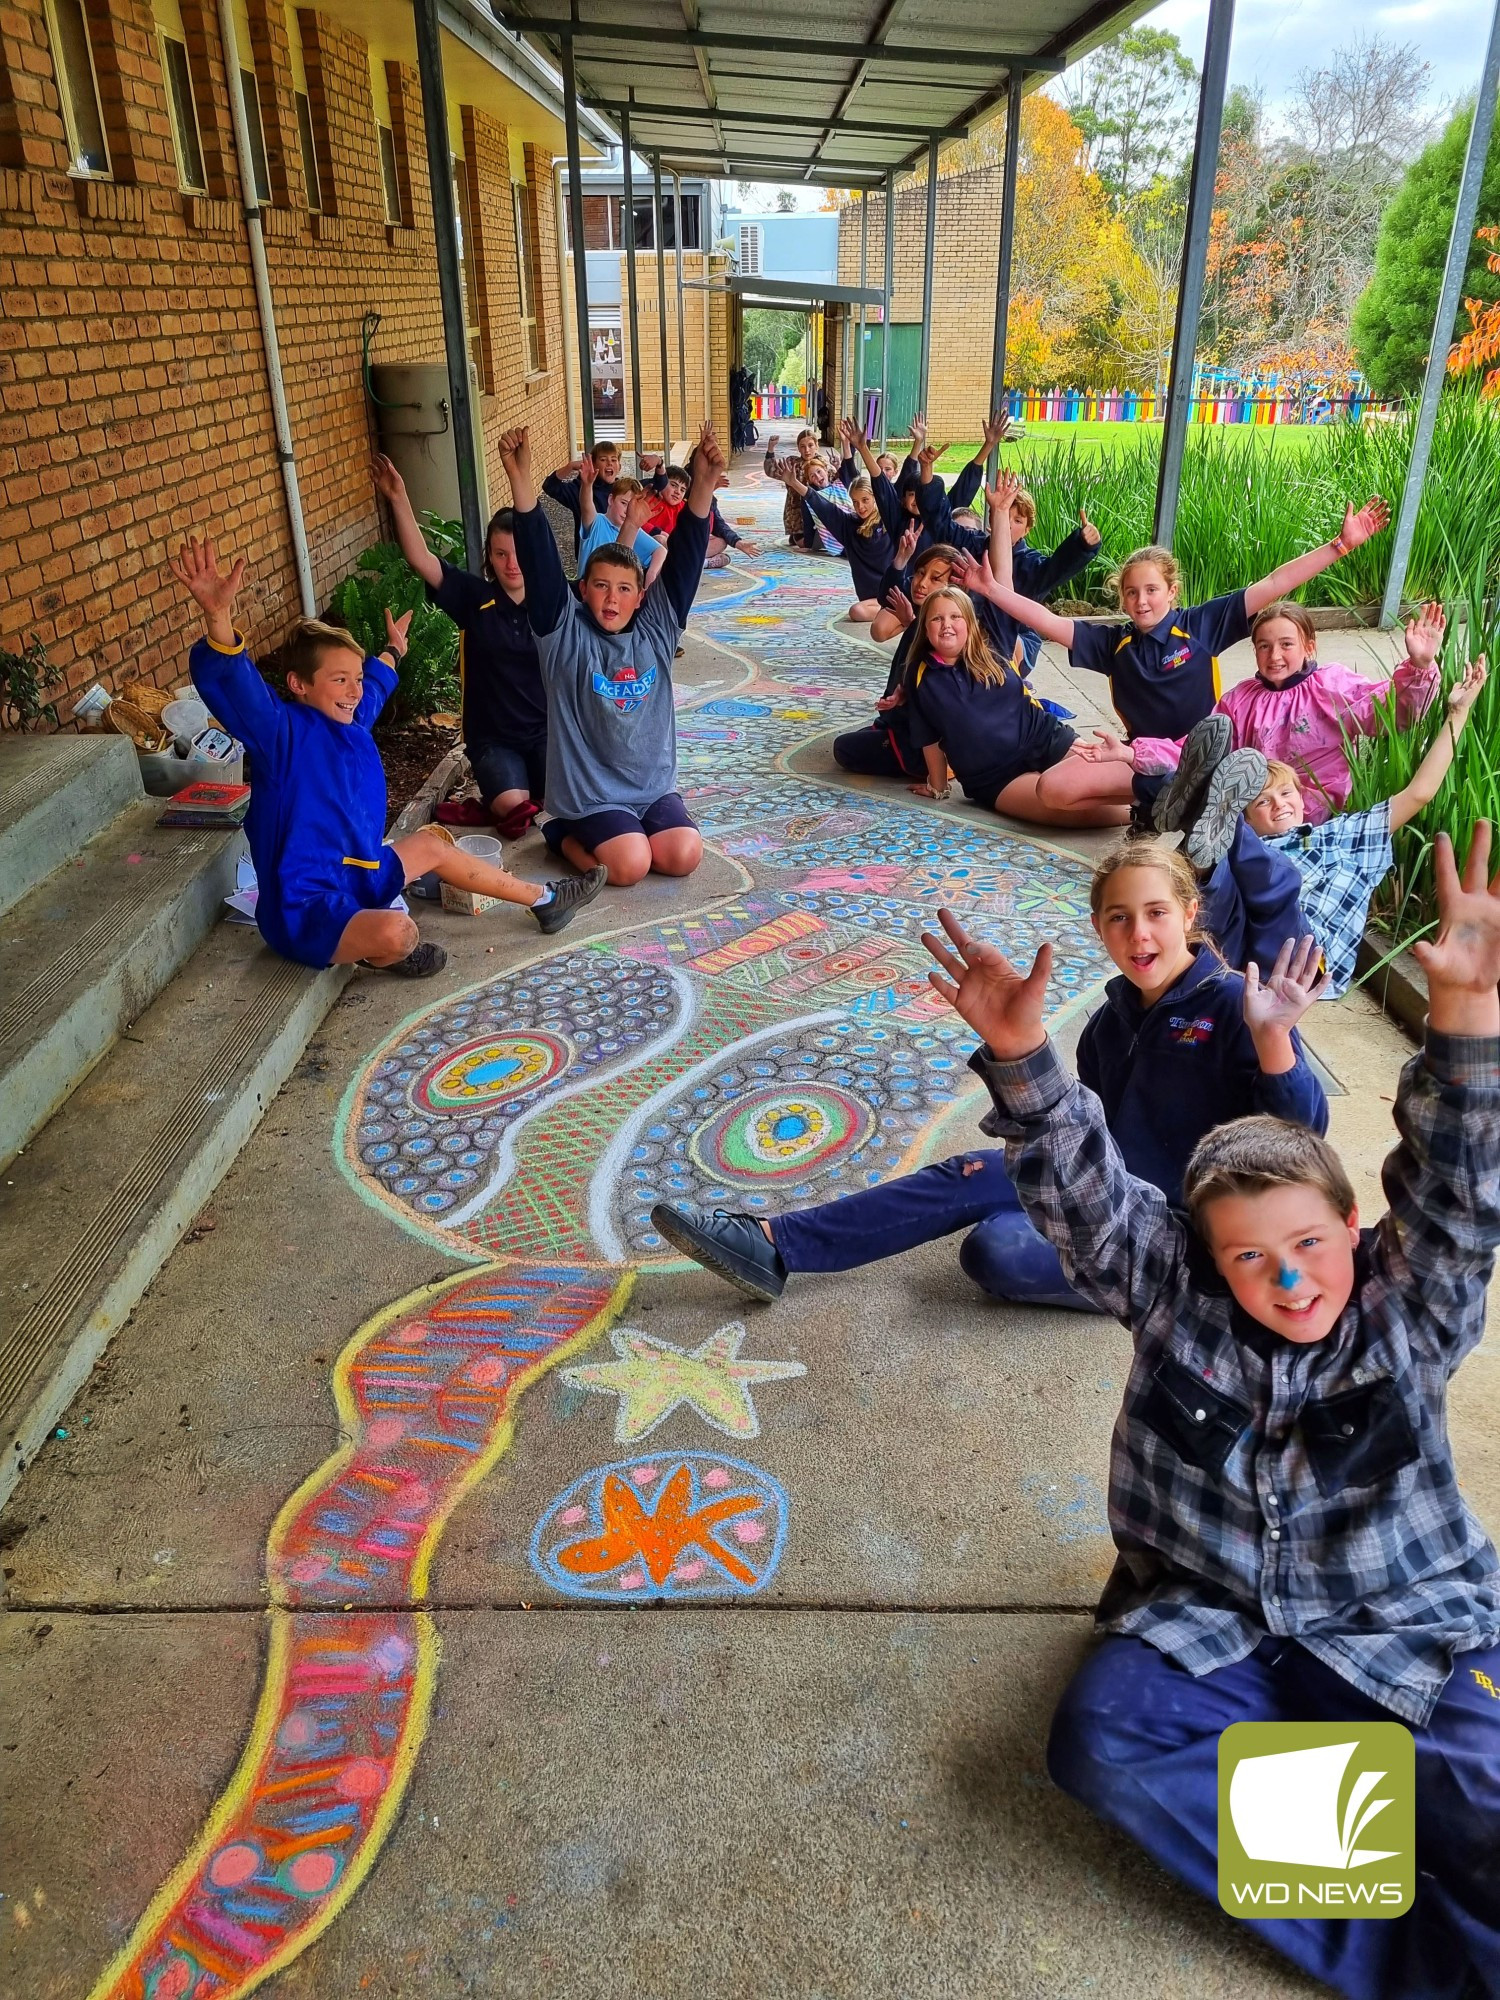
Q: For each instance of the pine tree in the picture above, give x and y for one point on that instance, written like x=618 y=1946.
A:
x=1392 y=328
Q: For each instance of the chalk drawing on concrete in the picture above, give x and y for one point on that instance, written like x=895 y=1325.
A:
x=426 y=1394
x=652 y=1378
x=675 y=1525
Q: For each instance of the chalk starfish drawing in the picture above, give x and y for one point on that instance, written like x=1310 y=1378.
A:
x=652 y=1378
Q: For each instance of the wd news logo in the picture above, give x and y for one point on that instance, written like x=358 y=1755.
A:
x=1315 y=1817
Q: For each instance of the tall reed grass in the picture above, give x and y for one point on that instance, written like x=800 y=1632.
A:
x=1246 y=506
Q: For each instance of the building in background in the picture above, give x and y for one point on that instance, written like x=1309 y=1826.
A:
x=787 y=249
x=135 y=392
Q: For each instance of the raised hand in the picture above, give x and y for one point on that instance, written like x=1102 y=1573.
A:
x=396 y=629
x=928 y=456
x=1358 y=528
x=1462 y=962
x=709 y=448
x=903 y=607
x=997 y=430
x=586 y=469
x=387 y=480
x=1001 y=495
x=638 y=512
x=1087 y=529
x=1424 y=634
x=919 y=430
x=906 y=548
x=1003 y=1006
x=1298 y=980
x=196 y=568
x=515 y=448
x=1467 y=689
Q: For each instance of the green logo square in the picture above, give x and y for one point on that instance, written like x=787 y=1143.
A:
x=1317 y=1818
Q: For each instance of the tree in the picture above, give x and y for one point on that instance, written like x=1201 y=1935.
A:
x=786 y=201
x=1393 y=322
x=1061 y=213
x=1133 y=101
x=1480 y=346
x=769 y=338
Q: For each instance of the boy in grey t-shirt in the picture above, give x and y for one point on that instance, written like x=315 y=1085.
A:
x=606 y=659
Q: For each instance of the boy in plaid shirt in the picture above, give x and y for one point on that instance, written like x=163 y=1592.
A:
x=1293 y=1544
x=1343 y=862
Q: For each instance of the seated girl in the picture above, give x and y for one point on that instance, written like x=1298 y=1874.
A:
x=1302 y=711
x=884 y=749
x=1161 y=1091
x=975 y=713
x=856 y=530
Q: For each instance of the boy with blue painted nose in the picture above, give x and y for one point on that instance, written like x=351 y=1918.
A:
x=1292 y=1542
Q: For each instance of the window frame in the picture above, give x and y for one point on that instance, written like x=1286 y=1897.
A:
x=473 y=304
x=174 y=113
x=77 y=166
x=523 y=206
x=307 y=146
x=390 y=175
x=260 y=161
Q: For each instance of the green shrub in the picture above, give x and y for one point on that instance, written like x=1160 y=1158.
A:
x=427 y=679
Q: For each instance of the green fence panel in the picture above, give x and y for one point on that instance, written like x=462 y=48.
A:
x=906 y=363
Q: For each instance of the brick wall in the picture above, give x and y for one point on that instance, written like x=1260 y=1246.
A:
x=134 y=406
x=966 y=262
x=716 y=304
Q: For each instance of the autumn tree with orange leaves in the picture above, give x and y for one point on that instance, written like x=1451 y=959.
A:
x=1480 y=346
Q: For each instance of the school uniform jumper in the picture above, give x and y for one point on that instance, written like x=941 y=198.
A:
x=504 y=701
x=869 y=555
x=1164 y=680
x=990 y=732
x=883 y=748
x=1305 y=721
x=612 y=744
x=1165 y=1075
x=1292 y=1541
x=316 y=822
x=1033 y=574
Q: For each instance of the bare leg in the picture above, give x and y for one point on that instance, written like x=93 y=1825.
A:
x=424 y=854
x=377 y=937
x=676 y=851
x=507 y=802
x=1019 y=800
x=865 y=612
x=627 y=856
x=884 y=625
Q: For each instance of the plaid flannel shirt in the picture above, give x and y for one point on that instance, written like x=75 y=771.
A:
x=1342 y=863
x=1261 y=1487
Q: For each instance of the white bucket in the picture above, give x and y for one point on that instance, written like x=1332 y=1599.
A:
x=483 y=847
x=185 y=716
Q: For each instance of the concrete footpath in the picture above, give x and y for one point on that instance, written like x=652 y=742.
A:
x=439 y=1587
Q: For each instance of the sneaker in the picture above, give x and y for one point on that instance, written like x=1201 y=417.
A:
x=1204 y=749
x=732 y=1246
x=1236 y=783
x=421 y=962
x=569 y=895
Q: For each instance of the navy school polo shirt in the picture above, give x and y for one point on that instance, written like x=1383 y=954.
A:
x=505 y=700
x=984 y=728
x=1164 y=680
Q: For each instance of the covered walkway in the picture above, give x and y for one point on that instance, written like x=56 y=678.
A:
x=449 y=1760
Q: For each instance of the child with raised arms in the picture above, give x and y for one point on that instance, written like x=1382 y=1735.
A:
x=1292 y=1539
x=606 y=656
x=976 y=714
x=504 y=702
x=1181 y=1044
x=563 y=485
x=1163 y=667
x=884 y=748
x=857 y=530
x=630 y=506
x=327 y=876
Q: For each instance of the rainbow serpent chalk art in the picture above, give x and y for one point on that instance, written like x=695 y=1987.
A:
x=777 y=1047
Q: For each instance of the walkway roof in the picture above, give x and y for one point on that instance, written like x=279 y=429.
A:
x=835 y=96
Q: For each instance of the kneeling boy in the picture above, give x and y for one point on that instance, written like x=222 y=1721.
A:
x=1292 y=1541
x=607 y=660
x=316 y=824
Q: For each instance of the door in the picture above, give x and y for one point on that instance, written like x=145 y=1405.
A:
x=906 y=364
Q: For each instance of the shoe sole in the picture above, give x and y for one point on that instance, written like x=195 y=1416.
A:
x=1232 y=787
x=566 y=915
x=1202 y=754
x=666 y=1222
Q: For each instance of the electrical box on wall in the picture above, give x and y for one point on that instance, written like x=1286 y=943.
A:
x=415 y=421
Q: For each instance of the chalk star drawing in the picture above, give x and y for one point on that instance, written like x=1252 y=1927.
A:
x=652 y=1377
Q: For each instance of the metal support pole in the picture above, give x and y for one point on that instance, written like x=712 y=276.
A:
x=560 y=244
x=1205 y=166
x=864 y=279
x=450 y=275
x=1460 y=239
x=1007 y=247
x=929 y=244
x=661 y=306
x=627 y=231
x=682 y=401
x=580 y=254
x=890 y=293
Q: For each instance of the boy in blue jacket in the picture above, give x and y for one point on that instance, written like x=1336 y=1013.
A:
x=326 y=874
x=1293 y=1543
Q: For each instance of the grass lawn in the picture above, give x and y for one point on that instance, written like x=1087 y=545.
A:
x=1088 y=437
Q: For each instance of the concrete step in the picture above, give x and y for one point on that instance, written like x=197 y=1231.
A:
x=56 y=793
x=91 y=947
x=93 y=1208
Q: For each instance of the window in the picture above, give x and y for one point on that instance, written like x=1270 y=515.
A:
x=750 y=249
x=390 y=180
x=466 y=264
x=527 y=273
x=260 y=169
x=184 y=114
x=645 y=232
x=309 y=152
x=73 y=62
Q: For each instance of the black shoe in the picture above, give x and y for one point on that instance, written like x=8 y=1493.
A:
x=1204 y=748
x=733 y=1246
x=568 y=897
x=1238 y=782
x=421 y=962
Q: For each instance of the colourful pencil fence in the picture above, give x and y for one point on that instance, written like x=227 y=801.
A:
x=1217 y=399
x=771 y=404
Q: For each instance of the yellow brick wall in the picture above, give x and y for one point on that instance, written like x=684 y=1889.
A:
x=648 y=305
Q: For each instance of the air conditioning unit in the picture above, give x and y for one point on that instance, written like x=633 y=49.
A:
x=750 y=249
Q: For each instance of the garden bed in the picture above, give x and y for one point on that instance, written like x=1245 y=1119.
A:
x=410 y=753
